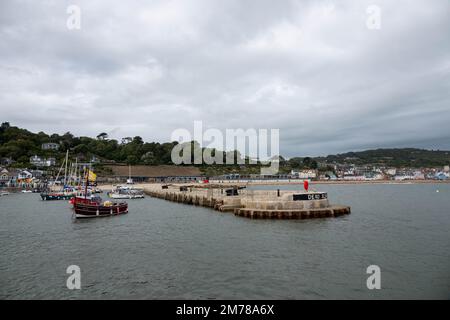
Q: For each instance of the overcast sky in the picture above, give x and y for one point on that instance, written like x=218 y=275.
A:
x=313 y=69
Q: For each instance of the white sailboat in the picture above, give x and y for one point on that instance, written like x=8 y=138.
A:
x=126 y=192
x=61 y=195
x=129 y=180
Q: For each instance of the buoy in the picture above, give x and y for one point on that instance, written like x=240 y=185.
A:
x=306 y=184
x=437 y=190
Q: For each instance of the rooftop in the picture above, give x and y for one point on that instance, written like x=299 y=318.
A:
x=155 y=171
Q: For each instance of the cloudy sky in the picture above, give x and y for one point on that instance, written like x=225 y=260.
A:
x=313 y=69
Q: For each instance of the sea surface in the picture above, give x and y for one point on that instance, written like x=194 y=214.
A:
x=166 y=250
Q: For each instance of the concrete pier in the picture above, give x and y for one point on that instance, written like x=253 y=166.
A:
x=254 y=204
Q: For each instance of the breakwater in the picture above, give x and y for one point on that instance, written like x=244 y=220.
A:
x=254 y=204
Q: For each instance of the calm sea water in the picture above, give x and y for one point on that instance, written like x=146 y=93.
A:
x=165 y=250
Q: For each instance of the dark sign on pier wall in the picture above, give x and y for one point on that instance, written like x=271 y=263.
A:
x=309 y=196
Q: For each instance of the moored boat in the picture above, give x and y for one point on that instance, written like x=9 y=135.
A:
x=106 y=209
x=114 y=195
x=93 y=207
x=56 y=196
x=126 y=192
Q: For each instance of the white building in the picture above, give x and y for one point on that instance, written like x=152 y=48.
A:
x=305 y=174
x=418 y=175
x=24 y=174
x=50 y=146
x=4 y=175
x=374 y=176
x=42 y=162
x=354 y=178
x=404 y=177
x=391 y=171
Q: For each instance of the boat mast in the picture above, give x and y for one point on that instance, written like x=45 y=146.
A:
x=59 y=171
x=65 y=170
x=87 y=182
x=76 y=171
x=69 y=175
x=82 y=178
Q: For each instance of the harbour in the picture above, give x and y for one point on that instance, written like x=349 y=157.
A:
x=169 y=250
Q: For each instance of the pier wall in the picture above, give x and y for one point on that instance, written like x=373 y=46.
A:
x=272 y=204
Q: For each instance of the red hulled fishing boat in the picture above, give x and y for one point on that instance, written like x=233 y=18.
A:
x=108 y=208
x=94 y=207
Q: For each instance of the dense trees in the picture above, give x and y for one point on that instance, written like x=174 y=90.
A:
x=405 y=157
x=20 y=144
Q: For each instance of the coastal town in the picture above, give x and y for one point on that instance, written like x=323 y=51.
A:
x=44 y=170
x=35 y=161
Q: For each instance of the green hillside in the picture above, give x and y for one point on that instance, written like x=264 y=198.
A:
x=20 y=144
x=405 y=157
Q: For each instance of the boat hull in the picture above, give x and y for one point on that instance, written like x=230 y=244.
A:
x=83 y=210
x=125 y=196
x=50 y=197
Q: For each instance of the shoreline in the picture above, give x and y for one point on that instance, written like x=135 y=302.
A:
x=109 y=186
x=384 y=182
x=274 y=183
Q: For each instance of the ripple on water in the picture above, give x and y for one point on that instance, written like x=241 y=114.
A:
x=168 y=250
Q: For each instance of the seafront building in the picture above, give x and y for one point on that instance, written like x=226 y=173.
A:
x=50 y=146
x=42 y=162
x=304 y=174
x=161 y=173
x=24 y=178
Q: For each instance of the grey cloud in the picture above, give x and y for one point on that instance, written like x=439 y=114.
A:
x=310 y=68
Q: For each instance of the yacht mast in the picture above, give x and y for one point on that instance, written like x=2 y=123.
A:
x=59 y=171
x=76 y=171
x=65 y=170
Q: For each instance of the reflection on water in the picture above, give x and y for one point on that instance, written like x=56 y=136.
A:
x=168 y=250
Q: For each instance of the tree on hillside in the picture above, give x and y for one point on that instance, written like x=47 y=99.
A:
x=102 y=136
x=310 y=163
x=138 y=140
